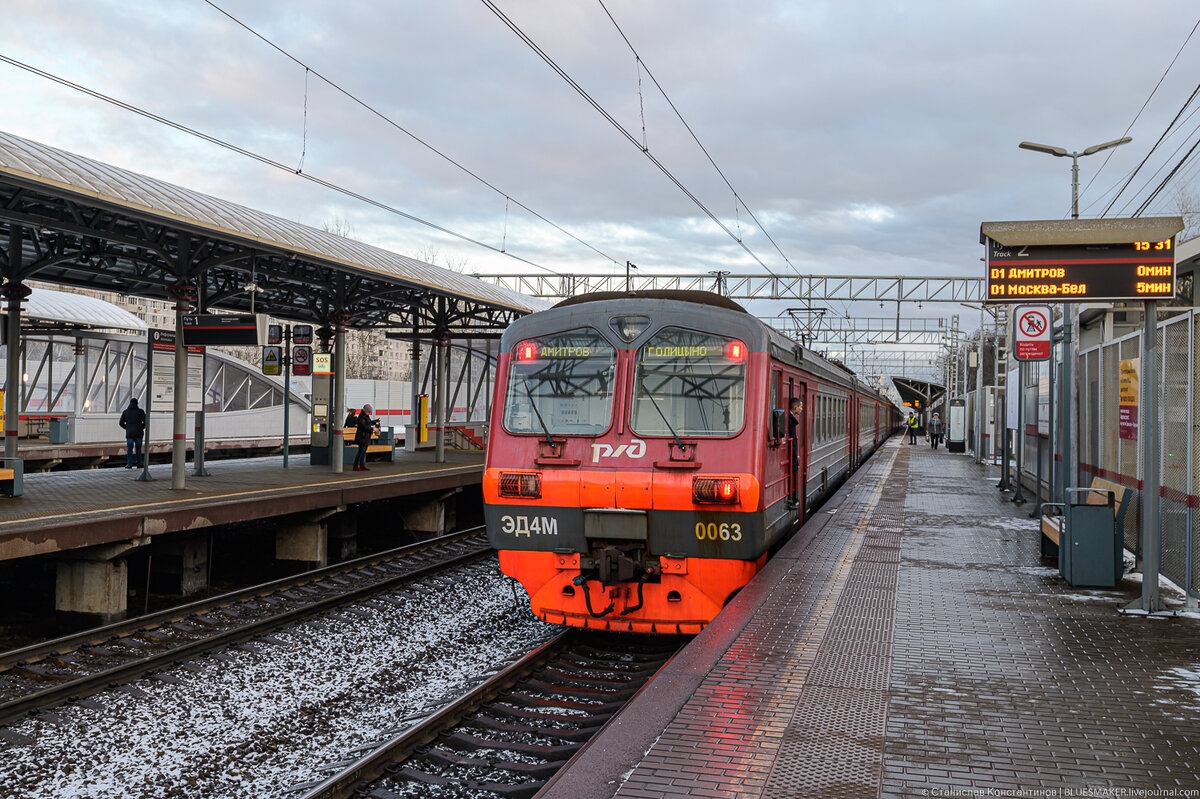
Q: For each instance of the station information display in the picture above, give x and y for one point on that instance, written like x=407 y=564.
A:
x=1136 y=270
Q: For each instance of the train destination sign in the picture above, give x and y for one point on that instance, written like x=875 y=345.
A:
x=1136 y=270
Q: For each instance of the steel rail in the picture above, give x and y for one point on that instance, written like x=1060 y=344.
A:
x=371 y=766
x=121 y=629
x=90 y=683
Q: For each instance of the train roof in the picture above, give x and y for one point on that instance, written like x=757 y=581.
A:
x=780 y=346
x=679 y=295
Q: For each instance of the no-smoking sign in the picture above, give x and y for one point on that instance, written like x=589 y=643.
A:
x=301 y=360
x=1033 y=325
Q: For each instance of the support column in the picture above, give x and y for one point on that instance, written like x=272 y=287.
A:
x=14 y=293
x=184 y=296
x=413 y=430
x=337 y=402
x=1148 y=439
x=980 y=411
x=305 y=538
x=441 y=393
x=81 y=349
x=95 y=581
x=1018 y=491
x=428 y=516
x=181 y=565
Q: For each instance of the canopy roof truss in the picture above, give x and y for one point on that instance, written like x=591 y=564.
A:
x=77 y=222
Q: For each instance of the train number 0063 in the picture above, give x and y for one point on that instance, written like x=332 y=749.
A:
x=714 y=532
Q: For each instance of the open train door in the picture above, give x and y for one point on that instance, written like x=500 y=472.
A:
x=800 y=470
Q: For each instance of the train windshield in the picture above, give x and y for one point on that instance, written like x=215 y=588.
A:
x=561 y=385
x=689 y=384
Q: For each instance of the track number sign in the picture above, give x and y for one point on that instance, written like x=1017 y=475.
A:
x=1032 y=332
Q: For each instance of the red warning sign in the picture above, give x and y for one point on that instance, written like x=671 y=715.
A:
x=301 y=360
x=1033 y=325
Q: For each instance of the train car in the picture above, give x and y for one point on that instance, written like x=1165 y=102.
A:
x=639 y=469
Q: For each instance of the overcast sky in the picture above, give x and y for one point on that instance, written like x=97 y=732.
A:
x=867 y=137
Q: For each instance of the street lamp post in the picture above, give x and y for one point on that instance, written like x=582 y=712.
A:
x=1066 y=400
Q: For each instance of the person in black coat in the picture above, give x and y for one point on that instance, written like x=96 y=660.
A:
x=133 y=420
x=362 y=437
x=795 y=419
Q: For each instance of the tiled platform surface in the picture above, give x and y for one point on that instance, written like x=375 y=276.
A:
x=910 y=642
x=66 y=509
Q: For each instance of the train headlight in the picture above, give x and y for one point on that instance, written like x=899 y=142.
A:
x=526 y=485
x=715 y=490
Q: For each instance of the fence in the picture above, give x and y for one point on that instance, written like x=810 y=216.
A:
x=1109 y=432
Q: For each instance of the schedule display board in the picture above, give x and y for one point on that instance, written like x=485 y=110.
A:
x=1135 y=270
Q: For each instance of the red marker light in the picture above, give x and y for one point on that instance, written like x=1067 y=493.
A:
x=715 y=490
x=527 y=351
x=735 y=351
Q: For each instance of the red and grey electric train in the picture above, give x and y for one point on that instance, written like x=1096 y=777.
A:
x=639 y=469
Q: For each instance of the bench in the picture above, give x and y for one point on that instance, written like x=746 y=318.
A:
x=12 y=477
x=1099 y=494
x=383 y=444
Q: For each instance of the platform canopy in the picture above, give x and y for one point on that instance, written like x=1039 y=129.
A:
x=74 y=221
x=45 y=308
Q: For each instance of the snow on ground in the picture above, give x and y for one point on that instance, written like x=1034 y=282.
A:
x=252 y=724
x=1187 y=679
x=1019 y=525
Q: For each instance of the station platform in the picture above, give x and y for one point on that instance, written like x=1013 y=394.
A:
x=909 y=641
x=68 y=510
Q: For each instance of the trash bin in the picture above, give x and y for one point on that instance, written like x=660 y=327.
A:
x=58 y=430
x=1090 y=549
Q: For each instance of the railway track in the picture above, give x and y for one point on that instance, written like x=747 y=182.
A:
x=511 y=733
x=46 y=674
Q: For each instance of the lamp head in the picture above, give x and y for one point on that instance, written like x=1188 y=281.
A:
x=1043 y=148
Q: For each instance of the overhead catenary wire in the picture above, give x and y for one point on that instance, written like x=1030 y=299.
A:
x=600 y=109
x=391 y=122
x=258 y=157
x=739 y=200
x=1137 y=116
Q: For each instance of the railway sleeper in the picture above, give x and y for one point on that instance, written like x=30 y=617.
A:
x=579 y=690
x=588 y=677
x=446 y=757
x=630 y=655
x=580 y=734
x=472 y=743
x=520 y=698
x=637 y=672
x=592 y=719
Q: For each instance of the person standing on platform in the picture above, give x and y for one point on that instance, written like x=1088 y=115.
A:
x=133 y=421
x=935 y=431
x=362 y=437
x=912 y=427
x=795 y=420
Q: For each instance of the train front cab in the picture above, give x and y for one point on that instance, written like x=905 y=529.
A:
x=635 y=485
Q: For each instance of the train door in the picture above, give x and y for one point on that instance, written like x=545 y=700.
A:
x=779 y=480
x=799 y=470
x=854 y=410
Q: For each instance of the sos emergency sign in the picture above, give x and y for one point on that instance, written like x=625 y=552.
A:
x=1033 y=324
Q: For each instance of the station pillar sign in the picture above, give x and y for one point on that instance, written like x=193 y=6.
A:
x=1031 y=332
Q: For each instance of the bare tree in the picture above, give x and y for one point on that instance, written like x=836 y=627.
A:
x=1187 y=205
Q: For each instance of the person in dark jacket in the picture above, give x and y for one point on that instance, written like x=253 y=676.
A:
x=362 y=437
x=351 y=420
x=133 y=420
x=795 y=420
x=935 y=431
